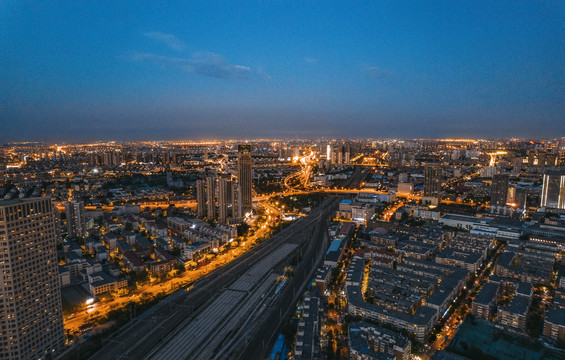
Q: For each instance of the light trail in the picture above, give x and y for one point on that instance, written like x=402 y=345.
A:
x=303 y=175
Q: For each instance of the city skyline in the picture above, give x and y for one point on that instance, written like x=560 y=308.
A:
x=288 y=70
x=232 y=249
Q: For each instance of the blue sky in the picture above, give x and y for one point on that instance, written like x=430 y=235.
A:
x=87 y=70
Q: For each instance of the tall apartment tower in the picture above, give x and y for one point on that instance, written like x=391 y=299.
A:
x=57 y=220
x=432 y=184
x=244 y=170
x=76 y=222
x=224 y=200
x=31 y=320
x=553 y=190
x=211 y=197
x=561 y=152
x=201 y=198
x=236 y=213
x=499 y=190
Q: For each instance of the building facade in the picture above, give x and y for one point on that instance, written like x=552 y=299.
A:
x=432 y=184
x=553 y=191
x=76 y=221
x=499 y=190
x=211 y=197
x=201 y=198
x=244 y=170
x=31 y=309
x=224 y=200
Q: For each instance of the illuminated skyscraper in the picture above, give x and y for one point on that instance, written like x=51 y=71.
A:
x=211 y=197
x=201 y=198
x=30 y=297
x=561 y=152
x=235 y=200
x=347 y=154
x=76 y=221
x=553 y=191
x=244 y=170
x=432 y=184
x=499 y=190
x=224 y=199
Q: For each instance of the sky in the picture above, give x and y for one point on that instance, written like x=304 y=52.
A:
x=73 y=71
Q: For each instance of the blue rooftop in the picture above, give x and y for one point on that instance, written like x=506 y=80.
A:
x=334 y=245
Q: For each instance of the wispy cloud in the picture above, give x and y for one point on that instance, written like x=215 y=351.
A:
x=155 y=58
x=375 y=72
x=261 y=72
x=310 y=60
x=214 y=65
x=168 y=39
x=202 y=63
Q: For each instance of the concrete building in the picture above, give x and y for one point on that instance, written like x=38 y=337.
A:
x=484 y=302
x=447 y=291
x=225 y=200
x=133 y=262
x=30 y=306
x=553 y=191
x=514 y=314
x=554 y=324
x=308 y=331
x=76 y=221
x=100 y=283
x=244 y=170
x=487 y=172
x=211 y=197
x=362 y=212
x=499 y=190
x=432 y=184
x=419 y=324
x=367 y=341
x=323 y=276
x=201 y=199
x=525 y=266
x=405 y=189
x=177 y=225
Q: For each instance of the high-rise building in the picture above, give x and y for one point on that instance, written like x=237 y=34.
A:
x=112 y=159
x=487 y=172
x=58 y=227
x=76 y=222
x=561 y=152
x=521 y=197
x=553 y=191
x=224 y=200
x=201 y=198
x=517 y=165
x=244 y=170
x=432 y=184
x=236 y=213
x=31 y=317
x=211 y=197
x=295 y=153
x=499 y=190
x=166 y=158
